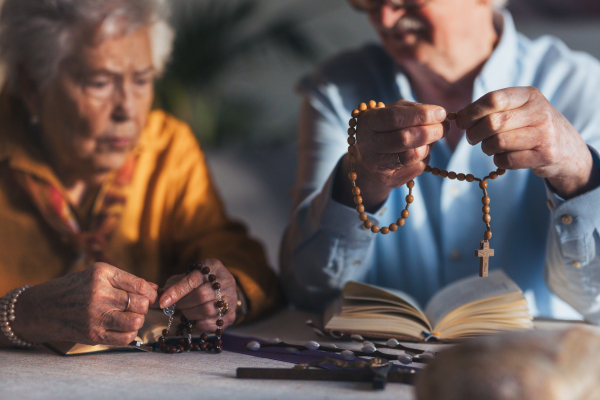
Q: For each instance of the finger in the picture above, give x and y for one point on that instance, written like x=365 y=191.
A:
x=123 y=322
x=409 y=138
x=515 y=140
x=210 y=324
x=132 y=284
x=499 y=122
x=402 y=116
x=200 y=295
x=408 y=158
x=117 y=338
x=519 y=160
x=182 y=287
x=205 y=309
x=499 y=100
x=137 y=304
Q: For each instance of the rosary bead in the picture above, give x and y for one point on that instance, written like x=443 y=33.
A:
x=351 y=131
x=385 y=230
x=375 y=228
x=212 y=278
x=357 y=200
x=470 y=178
x=220 y=304
x=218 y=349
x=485 y=200
x=165 y=332
x=181 y=341
x=190 y=330
x=209 y=346
x=360 y=208
x=487 y=235
x=372 y=104
x=205 y=270
x=219 y=332
x=195 y=347
x=356 y=190
x=452 y=175
x=485 y=209
x=187 y=346
x=435 y=171
x=355 y=113
x=483 y=185
x=204 y=337
x=380 y=105
x=172 y=349
x=352 y=158
x=363 y=216
x=352 y=150
x=216 y=285
x=410 y=184
x=404 y=214
x=179 y=348
x=493 y=175
x=486 y=218
x=461 y=177
x=428 y=168
x=352 y=176
x=352 y=123
x=203 y=346
x=367 y=224
x=220 y=322
x=162 y=340
x=451 y=116
x=444 y=173
x=410 y=198
x=351 y=141
x=219 y=342
x=393 y=227
x=500 y=171
x=400 y=222
x=362 y=106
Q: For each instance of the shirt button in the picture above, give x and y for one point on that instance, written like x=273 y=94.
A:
x=566 y=219
x=576 y=264
x=455 y=255
x=454 y=191
x=550 y=205
x=382 y=211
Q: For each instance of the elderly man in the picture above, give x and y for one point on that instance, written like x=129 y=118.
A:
x=529 y=107
x=100 y=199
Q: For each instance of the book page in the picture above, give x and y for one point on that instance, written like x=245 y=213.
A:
x=466 y=291
x=362 y=291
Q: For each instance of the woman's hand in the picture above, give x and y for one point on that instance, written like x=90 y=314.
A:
x=85 y=307
x=196 y=298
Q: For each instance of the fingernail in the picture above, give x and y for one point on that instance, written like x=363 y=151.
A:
x=165 y=302
x=440 y=114
x=468 y=140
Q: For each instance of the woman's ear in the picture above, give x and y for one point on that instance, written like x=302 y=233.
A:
x=30 y=93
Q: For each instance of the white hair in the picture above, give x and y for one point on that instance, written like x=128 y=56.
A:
x=40 y=34
x=500 y=3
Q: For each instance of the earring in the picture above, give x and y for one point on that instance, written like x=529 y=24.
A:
x=34 y=120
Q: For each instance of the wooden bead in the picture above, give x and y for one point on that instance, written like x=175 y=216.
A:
x=380 y=105
x=410 y=184
x=220 y=304
x=220 y=322
x=385 y=230
x=352 y=123
x=351 y=141
x=410 y=198
x=357 y=200
x=485 y=209
x=486 y=218
x=165 y=332
x=212 y=278
x=218 y=349
x=404 y=214
x=393 y=227
x=485 y=200
x=362 y=106
x=204 y=336
x=352 y=158
x=352 y=150
x=470 y=178
x=355 y=113
x=451 y=116
x=219 y=332
x=500 y=171
x=360 y=208
x=367 y=224
x=363 y=216
x=461 y=177
x=351 y=131
x=487 y=235
x=400 y=222
x=435 y=171
x=203 y=346
x=216 y=286
x=356 y=190
x=372 y=104
x=427 y=168
x=352 y=176
x=205 y=270
x=493 y=175
x=444 y=173
x=483 y=185
x=452 y=175
x=375 y=229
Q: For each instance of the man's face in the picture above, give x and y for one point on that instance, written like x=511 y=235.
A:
x=428 y=33
x=92 y=114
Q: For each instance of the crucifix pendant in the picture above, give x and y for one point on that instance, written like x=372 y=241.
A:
x=484 y=254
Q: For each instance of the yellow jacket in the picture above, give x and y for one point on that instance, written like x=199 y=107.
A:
x=173 y=216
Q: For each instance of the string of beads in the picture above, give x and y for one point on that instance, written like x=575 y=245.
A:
x=187 y=326
x=362 y=215
x=7 y=306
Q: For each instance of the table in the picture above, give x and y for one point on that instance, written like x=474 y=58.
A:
x=41 y=374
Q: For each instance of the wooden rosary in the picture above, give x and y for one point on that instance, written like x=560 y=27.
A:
x=484 y=252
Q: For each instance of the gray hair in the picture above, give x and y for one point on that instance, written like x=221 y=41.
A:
x=500 y=3
x=40 y=34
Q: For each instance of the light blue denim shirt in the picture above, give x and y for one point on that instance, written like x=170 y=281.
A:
x=556 y=264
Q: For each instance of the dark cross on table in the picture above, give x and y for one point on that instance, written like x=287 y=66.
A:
x=484 y=253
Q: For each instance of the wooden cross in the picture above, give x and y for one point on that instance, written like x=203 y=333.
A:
x=484 y=253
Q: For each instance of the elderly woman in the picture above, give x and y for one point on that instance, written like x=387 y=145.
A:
x=101 y=199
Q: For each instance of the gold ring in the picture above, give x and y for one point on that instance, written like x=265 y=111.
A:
x=128 y=302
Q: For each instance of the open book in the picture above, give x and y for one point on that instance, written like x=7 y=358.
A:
x=149 y=333
x=468 y=307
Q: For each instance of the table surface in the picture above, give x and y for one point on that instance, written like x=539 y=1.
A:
x=41 y=374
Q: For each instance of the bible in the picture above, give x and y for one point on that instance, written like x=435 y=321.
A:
x=468 y=307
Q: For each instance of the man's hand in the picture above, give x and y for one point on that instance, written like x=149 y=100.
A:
x=521 y=129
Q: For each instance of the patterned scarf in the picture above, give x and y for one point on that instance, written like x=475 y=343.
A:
x=106 y=213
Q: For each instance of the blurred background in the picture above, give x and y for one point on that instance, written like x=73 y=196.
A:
x=233 y=73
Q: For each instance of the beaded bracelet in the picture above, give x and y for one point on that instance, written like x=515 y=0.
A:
x=484 y=251
x=7 y=305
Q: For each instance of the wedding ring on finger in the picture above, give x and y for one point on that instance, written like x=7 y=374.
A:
x=398 y=160
x=128 y=302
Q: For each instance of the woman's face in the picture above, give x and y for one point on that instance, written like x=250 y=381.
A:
x=92 y=113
